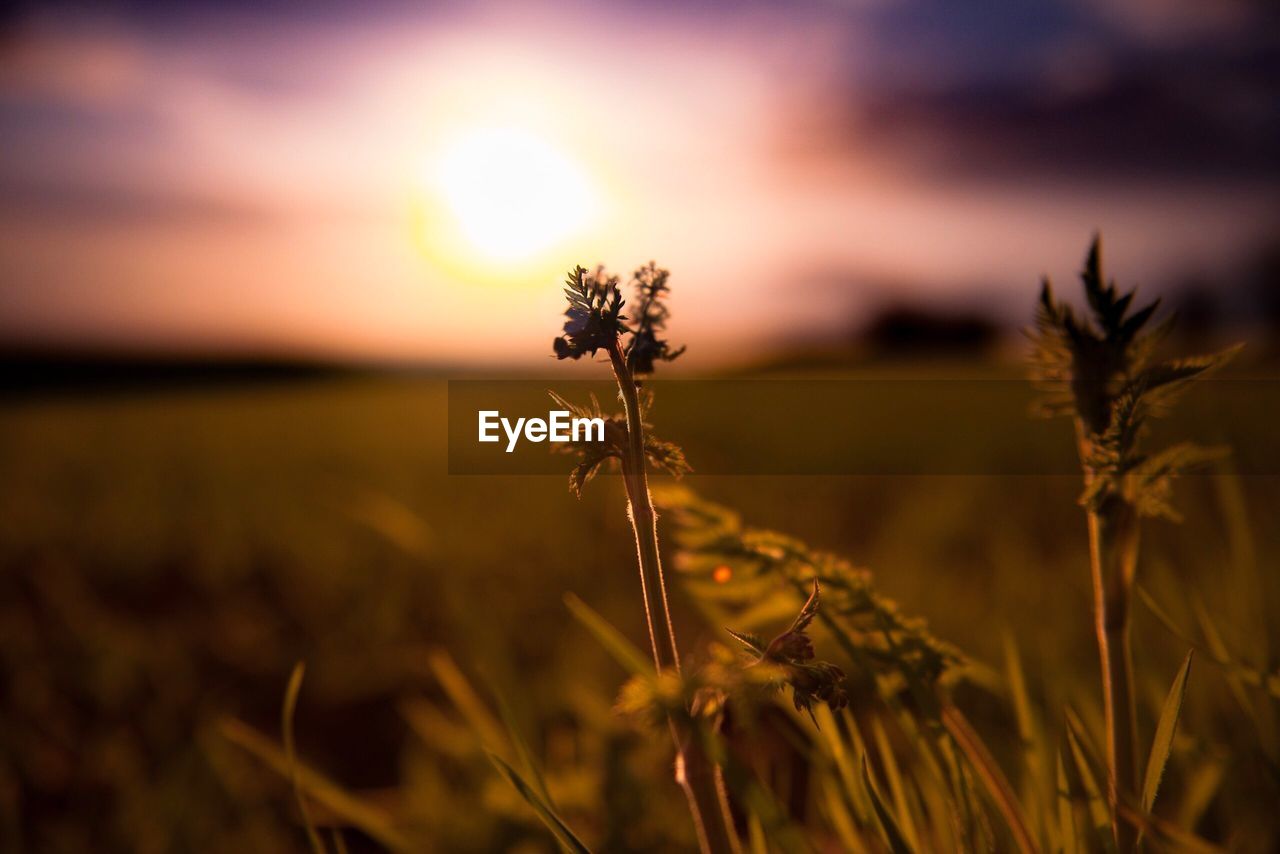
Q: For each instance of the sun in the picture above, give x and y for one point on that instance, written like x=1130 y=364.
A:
x=505 y=197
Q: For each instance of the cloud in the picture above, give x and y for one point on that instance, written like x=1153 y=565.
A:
x=1193 y=114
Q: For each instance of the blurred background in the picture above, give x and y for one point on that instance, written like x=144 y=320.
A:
x=243 y=246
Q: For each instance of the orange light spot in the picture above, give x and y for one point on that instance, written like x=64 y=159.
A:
x=721 y=574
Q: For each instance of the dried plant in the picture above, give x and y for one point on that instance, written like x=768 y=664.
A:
x=792 y=653
x=1100 y=370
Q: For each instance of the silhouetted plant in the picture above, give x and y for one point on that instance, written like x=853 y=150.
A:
x=595 y=322
x=1099 y=370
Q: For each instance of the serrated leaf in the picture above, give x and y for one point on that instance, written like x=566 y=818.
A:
x=666 y=456
x=1165 y=728
x=585 y=470
x=752 y=642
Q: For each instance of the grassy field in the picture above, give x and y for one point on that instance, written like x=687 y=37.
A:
x=166 y=558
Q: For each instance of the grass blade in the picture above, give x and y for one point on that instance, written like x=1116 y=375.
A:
x=993 y=779
x=1088 y=772
x=465 y=699
x=1066 y=811
x=563 y=834
x=622 y=650
x=1036 y=794
x=523 y=753
x=343 y=805
x=897 y=844
x=755 y=835
x=896 y=787
x=1163 y=740
x=1201 y=787
x=291 y=755
x=1168 y=835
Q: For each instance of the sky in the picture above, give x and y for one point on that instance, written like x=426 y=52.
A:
x=410 y=181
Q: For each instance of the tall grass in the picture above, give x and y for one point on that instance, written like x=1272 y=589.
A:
x=909 y=744
x=1100 y=371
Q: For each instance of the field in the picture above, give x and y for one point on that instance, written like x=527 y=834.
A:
x=166 y=558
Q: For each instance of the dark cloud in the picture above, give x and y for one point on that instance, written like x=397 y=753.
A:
x=1192 y=113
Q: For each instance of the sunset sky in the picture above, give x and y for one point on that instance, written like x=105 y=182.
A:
x=409 y=181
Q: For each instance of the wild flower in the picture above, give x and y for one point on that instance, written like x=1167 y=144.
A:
x=595 y=322
x=594 y=318
x=645 y=347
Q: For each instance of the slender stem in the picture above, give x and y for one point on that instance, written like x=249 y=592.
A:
x=1113 y=555
x=699 y=777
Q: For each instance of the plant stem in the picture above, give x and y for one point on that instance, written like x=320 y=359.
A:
x=699 y=777
x=1113 y=559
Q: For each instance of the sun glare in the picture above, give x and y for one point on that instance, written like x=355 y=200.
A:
x=511 y=194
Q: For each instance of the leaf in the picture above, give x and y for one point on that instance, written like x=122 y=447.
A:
x=897 y=844
x=1088 y=773
x=1176 y=371
x=1199 y=791
x=466 y=700
x=1036 y=788
x=752 y=642
x=1066 y=811
x=347 y=807
x=562 y=832
x=1165 y=728
x=755 y=835
x=523 y=753
x=586 y=469
x=995 y=784
x=896 y=786
x=622 y=650
x=286 y=726
x=667 y=457
x=810 y=609
x=1166 y=834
